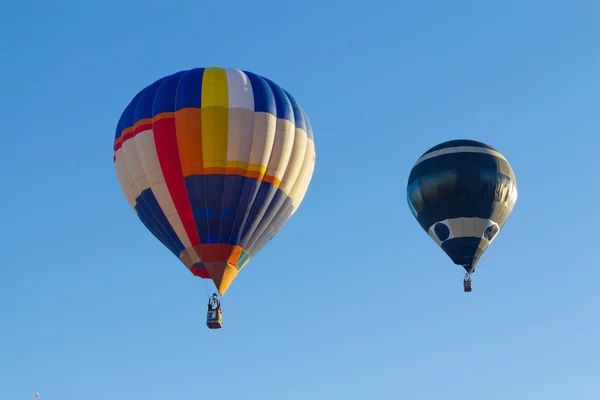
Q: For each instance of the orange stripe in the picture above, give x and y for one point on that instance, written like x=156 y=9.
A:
x=127 y=130
x=127 y=133
x=189 y=140
x=138 y=125
x=272 y=179
x=163 y=116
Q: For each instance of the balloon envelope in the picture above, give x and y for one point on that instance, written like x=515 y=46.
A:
x=214 y=162
x=462 y=192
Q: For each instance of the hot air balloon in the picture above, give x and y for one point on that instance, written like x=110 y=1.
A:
x=462 y=192
x=214 y=162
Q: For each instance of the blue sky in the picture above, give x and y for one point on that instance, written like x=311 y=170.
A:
x=93 y=307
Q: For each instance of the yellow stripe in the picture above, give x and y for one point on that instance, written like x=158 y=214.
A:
x=248 y=167
x=215 y=117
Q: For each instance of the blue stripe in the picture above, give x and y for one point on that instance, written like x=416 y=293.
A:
x=127 y=116
x=256 y=212
x=204 y=213
x=233 y=192
x=281 y=218
x=211 y=240
x=164 y=99
x=143 y=110
x=282 y=103
x=195 y=186
x=298 y=113
x=153 y=217
x=279 y=211
x=244 y=205
x=247 y=209
x=189 y=94
x=152 y=229
x=309 y=131
x=267 y=219
x=215 y=185
x=121 y=125
x=264 y=100
x=161 y=219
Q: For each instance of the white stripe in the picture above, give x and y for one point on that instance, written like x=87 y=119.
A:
x=125 y=179
x=240 y=93
x=295 y=163
x=464 y=227
x=263 y=136
x=134 y=165
x=304 y=177
x=282 y=148
x=241 y=117
x=459 y=149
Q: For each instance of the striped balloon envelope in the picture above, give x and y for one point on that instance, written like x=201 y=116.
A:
x=462 y=192
x=214 y=162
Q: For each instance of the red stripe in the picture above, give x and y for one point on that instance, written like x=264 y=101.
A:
x=131 y=134
x=142 y=128
x=127 y=136
x=165 y=139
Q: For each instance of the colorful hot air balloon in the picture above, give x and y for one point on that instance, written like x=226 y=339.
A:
x=462 y=192
x=214 y=162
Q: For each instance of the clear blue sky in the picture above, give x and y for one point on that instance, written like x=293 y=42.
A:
x=93 y=307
